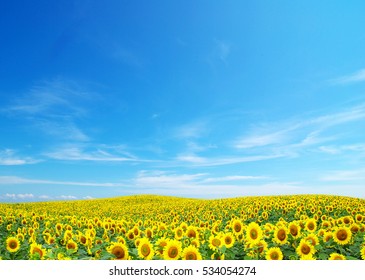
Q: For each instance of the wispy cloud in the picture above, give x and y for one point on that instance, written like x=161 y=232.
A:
x=96 y=153
x=196 y=161
x=195 y=129
x=358 y=76
x=67 y=197
x=291 y=137
x=344 y=175
x=18 y=196
x=233 y=178
x=54 y=107
x=203 y=185
x=14 y=180
x=358 y=148
x=9 y=157
x=260 y=140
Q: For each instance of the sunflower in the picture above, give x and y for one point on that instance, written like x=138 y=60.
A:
x=12 y=244
x=215 y=242
x=311 y=225
x=37 y=251
x=336 y=256
x=257 y=249
x=274 y=253
x=308 y=257
x=191 y=232
x=145 y=250
x=327 y=236
x=237 y=227
x=362 y=252
x=312 y=238
x=294 y=229
x=228 y=239
x=148 y=233
x=172 y=250
x=130 y=235
x=161 y=243
x=20 y=236
x=253 y=233
x=71 y=245
x=179 y=233
x=305 y=248
x=191 y=253
x=119 y=250
x=281 y=235
x=217 y=256
x=342 y=235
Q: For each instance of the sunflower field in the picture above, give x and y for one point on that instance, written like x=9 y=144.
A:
x=293 y=227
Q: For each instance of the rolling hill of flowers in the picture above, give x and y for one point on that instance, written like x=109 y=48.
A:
x=295 y=227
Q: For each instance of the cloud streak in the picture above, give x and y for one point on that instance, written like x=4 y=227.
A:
x=14 y=180
x=54 y=107
x=358 y=76
x=8 y=157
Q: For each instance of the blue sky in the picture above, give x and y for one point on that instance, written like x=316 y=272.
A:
x=194 y=99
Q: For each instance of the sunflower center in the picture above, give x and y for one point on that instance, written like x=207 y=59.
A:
x=191 y=234
x=216 y=242
x=293 y=231
x=237 y=227
x=281 y=234
x=172 y=252
x=145 y=250
x=13 y=244
x=118 y=252
x=274 y=255
x=305 y=249
x=310 y=226
x=253 y=234
x=191 y=256
x=342 y=234
x=228 y=240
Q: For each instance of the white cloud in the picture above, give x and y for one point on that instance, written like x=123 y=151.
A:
x=88 y=197
x=261 y=140
x=14 y=180
x=358 y=76
x=191 y=130
x=344 y=175
x=8 y=157
x=19 y=196
x=67 y=197
x=54 y=107
x=97 y=153
x=233 y=178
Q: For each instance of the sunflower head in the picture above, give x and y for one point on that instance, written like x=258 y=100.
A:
x=172 y=250
x=191 y=253
x=342 y=235
x=274 y=253
x=12 y=244
x=281 y=235
x=119 y=250
x=37 y=252
x=336 y=256
x=215 y=242
x=145 y=249
x=305 y=248
x=253 y=233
